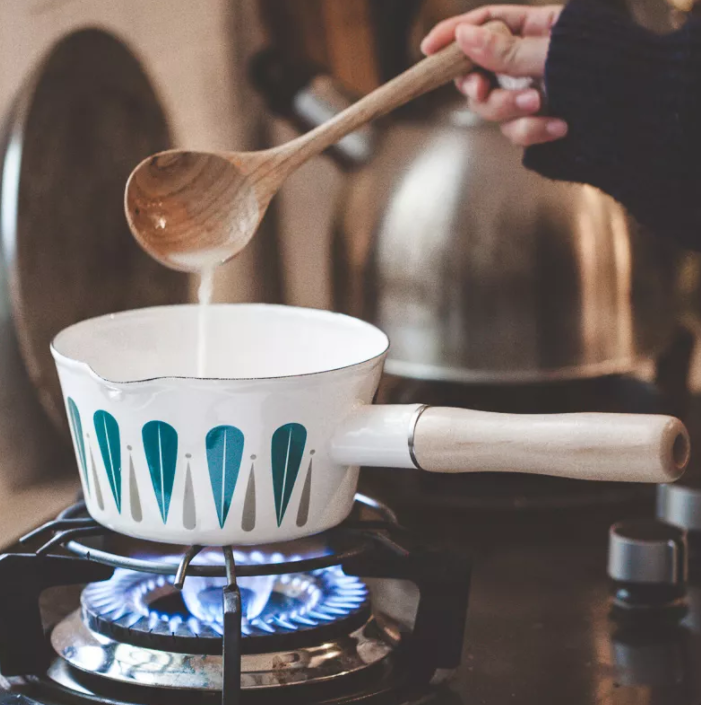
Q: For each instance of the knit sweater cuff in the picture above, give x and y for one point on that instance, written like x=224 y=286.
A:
x=632 y=101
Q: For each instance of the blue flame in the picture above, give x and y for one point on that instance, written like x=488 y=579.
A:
x=271 y=603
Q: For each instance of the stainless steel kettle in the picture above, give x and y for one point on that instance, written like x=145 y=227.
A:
x=480 y=270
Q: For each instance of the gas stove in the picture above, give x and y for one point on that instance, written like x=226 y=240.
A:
x=298 y=620
x=321 y=623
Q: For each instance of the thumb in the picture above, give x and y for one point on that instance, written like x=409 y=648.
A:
x=507 y=54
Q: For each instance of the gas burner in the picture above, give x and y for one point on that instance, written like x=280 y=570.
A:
x=215 y=620
x=146 y=610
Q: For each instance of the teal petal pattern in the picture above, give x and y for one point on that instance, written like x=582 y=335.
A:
x=77 y=430
x=107 y=431
x=161 y=448
x=287 y=449
x=224 y=453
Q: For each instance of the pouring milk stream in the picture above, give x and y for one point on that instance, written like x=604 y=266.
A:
x=204 y=298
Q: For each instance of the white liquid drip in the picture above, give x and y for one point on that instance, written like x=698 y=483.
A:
x=204 y=297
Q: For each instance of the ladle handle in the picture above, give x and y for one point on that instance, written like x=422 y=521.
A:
x=588 y=446
x=430 y=73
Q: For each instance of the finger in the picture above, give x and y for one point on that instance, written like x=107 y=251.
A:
x=444 y=32
x=502 y=106
x=527 y=131
x=520 y=19
x=510 y=55
x=475 y=86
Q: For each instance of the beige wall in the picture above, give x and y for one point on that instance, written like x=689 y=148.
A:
x=306 y=205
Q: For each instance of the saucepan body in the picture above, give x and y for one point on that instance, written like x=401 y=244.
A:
x=247 y=423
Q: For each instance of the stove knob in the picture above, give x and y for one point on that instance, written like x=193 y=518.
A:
x=647 y=552
x=648 y=562
x=680 y=505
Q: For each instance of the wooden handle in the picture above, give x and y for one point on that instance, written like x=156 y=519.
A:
x=428 y=74
x=614 y=447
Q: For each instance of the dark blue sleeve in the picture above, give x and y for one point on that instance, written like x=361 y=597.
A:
x=632 y=99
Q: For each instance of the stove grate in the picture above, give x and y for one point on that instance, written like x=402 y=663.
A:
x=368 y=549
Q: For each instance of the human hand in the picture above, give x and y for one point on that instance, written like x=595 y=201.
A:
x=521 y=55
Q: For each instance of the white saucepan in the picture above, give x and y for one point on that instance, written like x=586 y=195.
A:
x=267 y=446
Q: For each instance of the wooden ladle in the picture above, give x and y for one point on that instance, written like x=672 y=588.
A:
x=194 y=210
